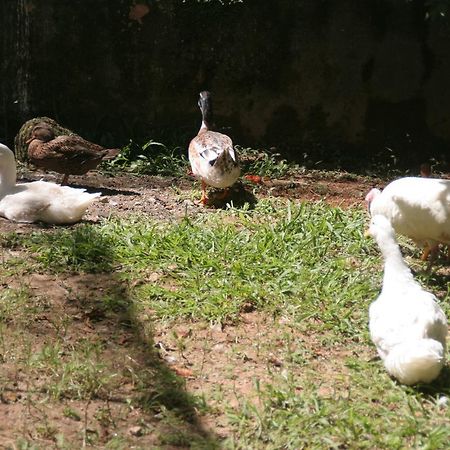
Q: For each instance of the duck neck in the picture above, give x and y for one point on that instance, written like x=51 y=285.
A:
x=205 y=127
x=395 y=269
x=7 y=170
x=207 y=115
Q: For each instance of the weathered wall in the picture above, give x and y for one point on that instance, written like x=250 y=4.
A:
x=314 y=76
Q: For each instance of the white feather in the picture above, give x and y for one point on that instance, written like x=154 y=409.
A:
x=406 y=323
x=416 y=207
x=38 y=200
x=216 y=166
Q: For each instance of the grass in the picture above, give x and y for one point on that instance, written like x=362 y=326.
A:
x=265 y=163
x=307 y=265
x=294 y=259
x=320 y=160
x=361 y=408
x=152 y=158
x=155 y=158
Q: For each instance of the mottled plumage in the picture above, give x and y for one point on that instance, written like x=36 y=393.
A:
x=211 y=154
x=24 y=134
x=66 y=154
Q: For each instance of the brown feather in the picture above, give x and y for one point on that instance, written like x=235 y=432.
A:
x=69 y=155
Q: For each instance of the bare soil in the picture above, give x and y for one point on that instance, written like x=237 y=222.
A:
x=220 y=364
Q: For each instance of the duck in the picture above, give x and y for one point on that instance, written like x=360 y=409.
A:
x=406 y=323
x=38 y=201
x=23 y=135
x=66 y=154
x=211 y=154
x=426 y=171
x=418 y=208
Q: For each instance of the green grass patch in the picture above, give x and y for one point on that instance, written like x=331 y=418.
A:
x=155 y=158
x=151 y=158
x=83 y=248
x=75 y=373
x=363 y=409
x=309 y=261
x=265 y=163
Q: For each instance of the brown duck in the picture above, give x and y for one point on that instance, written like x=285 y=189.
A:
x=69 y=155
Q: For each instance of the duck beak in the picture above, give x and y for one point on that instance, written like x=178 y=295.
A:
x=29 y=140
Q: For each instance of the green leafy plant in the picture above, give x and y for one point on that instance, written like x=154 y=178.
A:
x=263 y=163
x=152 y=158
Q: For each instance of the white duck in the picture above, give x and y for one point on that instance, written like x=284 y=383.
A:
x=416 y=207
x=38 y=201
x=406 y=323
x=211 y=154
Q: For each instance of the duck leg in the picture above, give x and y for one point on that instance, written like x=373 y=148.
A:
x=426 y=253
x=204 y=199
x=64 y=180
x=433 y=251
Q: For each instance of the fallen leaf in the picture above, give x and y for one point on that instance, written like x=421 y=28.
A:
x=256 y=179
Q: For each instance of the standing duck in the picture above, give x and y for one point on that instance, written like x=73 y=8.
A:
x=211 y=154
x=418 y=208
x=66 y=154
x=38 y=201
x=427 y=172
x=406 y=323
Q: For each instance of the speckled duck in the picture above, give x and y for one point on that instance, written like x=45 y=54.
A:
x=66 y=154
x=211 y=154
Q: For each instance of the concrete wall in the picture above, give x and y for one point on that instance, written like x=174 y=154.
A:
x=322 y=77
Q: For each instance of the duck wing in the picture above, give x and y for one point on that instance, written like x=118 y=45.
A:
x=68 y=154
x=76 y=146
x=23 y=206
x=210 y=145
x=40 y=201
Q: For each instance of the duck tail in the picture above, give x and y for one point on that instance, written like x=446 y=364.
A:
x=228 y=154
x=416 y=361
x=81 y=204
x=86 y=199
x=70 y=209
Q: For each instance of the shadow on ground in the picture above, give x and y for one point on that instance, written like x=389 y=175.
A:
x=239 y=197
x=140 y=401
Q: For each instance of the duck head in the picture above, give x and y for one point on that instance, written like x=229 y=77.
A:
x=380 y=228
x=205 y=105
x=371 y=196
x=42 y=132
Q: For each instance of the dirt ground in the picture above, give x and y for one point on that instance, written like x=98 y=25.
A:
x=220 y=364
x=156 y=196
